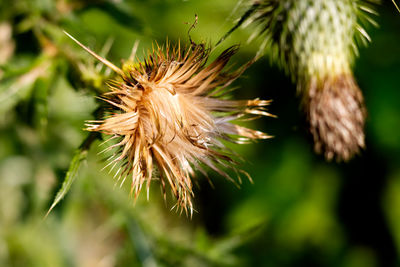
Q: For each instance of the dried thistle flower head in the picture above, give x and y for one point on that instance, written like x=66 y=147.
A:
x=314 y=41
x=168 y=112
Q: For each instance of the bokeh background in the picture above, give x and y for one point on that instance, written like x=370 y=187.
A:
x=300 y=211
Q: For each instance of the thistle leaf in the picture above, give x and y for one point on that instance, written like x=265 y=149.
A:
x=79 y=157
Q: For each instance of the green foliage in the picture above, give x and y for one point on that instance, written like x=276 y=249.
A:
x=79 y=156
x=300 y=211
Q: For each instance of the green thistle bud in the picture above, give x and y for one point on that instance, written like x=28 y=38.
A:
x=315 y=42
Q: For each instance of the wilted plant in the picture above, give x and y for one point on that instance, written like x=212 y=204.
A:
x=169 y=112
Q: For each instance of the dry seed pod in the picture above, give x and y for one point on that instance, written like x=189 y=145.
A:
x=168 y=112
x=315 y=42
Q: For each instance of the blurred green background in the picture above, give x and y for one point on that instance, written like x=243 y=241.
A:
x=300 y=211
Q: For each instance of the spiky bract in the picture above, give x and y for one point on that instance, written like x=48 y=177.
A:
x=170 y=114
x=315 y=42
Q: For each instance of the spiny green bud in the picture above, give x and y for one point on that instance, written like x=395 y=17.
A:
x=315 y=42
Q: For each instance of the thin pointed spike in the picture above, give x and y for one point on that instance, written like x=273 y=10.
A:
x=104 y=52
x=115 y=175
x=123 y=180
x=115 y=164
x=397 y=7
x=134 y=50
x=364 y=33
x=245 y=16
x=105 y=61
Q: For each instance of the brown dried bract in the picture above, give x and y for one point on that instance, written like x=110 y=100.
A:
x=336 y=113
